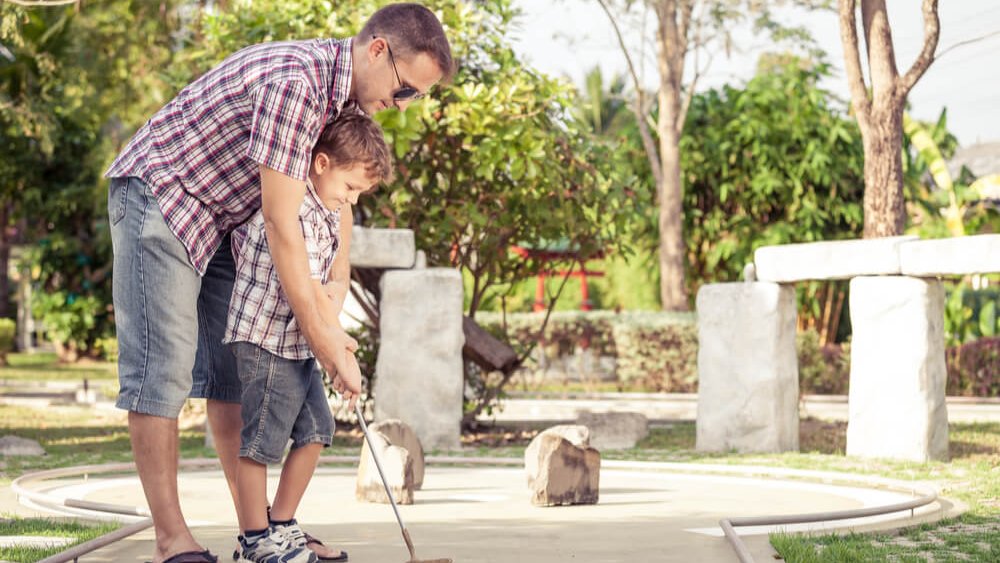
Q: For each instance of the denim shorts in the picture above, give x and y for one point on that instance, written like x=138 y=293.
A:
x=282 y=399
x=170 y=320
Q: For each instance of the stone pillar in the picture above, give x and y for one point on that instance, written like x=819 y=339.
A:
x=419 y=367
x=896 y=402
x=748 y=380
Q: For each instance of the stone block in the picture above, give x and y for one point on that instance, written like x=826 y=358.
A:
x=748 y=383
x=382 y=248
x=567 y=474
x=419 y=366
x=17 y=446
x=958 y=256
x=896 y=402
x=398 y=467
x=399 y=434
x=576 y=434
x=614 y=430
x=832 y=260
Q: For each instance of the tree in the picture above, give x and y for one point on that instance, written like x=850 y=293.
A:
x=879 y=106
x=682 y=28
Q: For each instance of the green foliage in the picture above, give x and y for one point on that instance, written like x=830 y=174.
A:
x=823 y=370
x=8 y=330
x=970 y=314
x=771 y=163
x=70 y=319
x=658 y=353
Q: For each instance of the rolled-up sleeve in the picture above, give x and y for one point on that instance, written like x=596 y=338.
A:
x=286 y=124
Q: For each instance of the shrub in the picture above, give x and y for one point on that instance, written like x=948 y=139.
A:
x=974 y=368
x=8 y=329
x=823 y=370
x=658 y=352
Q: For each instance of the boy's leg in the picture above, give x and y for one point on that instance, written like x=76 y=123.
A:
x=313 y=429
x=215 y=376
x=155 y=290
x=251 y=486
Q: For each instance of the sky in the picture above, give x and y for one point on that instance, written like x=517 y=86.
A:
x=569 y=37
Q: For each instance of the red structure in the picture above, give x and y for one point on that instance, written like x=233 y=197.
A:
x=545 y=255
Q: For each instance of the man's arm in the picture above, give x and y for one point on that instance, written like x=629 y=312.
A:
x=281 y=198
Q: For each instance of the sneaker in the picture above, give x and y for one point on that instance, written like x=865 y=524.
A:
x=291 y=531
x=273 y=547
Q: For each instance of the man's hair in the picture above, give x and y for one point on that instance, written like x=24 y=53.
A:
x=356 y=139
x=411 y=29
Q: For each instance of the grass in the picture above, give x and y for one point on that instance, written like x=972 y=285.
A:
x=44 y=366
x=74 y=435
x=47 y=527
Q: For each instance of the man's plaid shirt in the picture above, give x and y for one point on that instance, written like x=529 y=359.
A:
x=265 y=104
x=258 y=311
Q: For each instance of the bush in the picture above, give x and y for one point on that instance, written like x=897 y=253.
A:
x=974 y=368
x=823 y=370
x=658 y=352
x=106 y=348
x=8 y=329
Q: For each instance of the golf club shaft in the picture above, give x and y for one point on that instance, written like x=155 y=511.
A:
x=378 y=465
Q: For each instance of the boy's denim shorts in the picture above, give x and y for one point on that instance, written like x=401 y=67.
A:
x=170 y=321
x=282 y=399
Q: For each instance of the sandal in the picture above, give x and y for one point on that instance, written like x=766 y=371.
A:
x=310 y=539
x=192 y=557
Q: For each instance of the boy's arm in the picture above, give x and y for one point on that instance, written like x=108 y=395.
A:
x=281 y=198
x=340 y=271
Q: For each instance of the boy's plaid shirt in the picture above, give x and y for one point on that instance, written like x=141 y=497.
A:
x=258 y=311
x=265 y=104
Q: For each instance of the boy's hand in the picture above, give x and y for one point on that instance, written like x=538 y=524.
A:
x=347 y=382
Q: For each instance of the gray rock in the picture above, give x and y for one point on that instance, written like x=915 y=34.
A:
x=399 y=434
x=419 y=365
x=16 y=446
x=382 y=248
x=748 y=384
x=896 y=403
x=567 y=474
x=576 y=434
x=957 y=256
x=398 y=467
x=614 y=430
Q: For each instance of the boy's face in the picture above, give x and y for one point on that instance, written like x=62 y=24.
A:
x=337 y=185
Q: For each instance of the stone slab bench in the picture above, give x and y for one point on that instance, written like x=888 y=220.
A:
x=833 y=260
x=382 y=248
x=978 y=254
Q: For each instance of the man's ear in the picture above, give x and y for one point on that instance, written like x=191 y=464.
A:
x=376 y=49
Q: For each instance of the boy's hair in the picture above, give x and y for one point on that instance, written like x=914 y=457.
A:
x=352 y=139
x=412 y=29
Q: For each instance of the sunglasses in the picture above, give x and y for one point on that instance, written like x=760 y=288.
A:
x=404 y=92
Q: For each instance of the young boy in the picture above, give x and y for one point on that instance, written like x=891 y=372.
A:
x=283 y=395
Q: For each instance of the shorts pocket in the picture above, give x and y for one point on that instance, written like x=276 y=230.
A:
x=117 y=198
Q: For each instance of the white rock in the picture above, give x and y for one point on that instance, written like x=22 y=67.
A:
x=398 y=467
x=419 y=366
x=576 y=434
x=979 y=254
x=398 y=433
x=567 y=474
x=897 y=391
x=382 y=248
x=748 y=386
x=614 y=430
x=16 y=446
x=832 y=260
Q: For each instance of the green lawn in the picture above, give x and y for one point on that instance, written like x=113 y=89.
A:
x=44 y=366
x=74 y=435
x=48 y=527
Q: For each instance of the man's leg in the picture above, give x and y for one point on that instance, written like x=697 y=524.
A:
x=155 y=293
x=154 y=446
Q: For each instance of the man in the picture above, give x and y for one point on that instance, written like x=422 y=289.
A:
x=235 y=140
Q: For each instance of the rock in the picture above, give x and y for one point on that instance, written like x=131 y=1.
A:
x=957 y=256
x=419 y=366
x=16 y=446
x=830 y=260
x=614 y=430
x=576 y=434
x=397 y=433
x=382 y=248
x=896 y=403
x=398 y=467
x=748 y=383
x=567 y=474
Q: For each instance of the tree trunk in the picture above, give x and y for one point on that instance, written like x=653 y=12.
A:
x=673 y=292
x=885 y=210
x=5 y=244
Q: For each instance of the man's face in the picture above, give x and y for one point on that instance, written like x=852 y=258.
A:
x=386 y=79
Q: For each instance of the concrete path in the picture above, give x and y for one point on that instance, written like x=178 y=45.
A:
x=483 y=515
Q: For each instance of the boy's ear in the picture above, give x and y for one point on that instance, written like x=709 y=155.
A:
x=321 y=162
